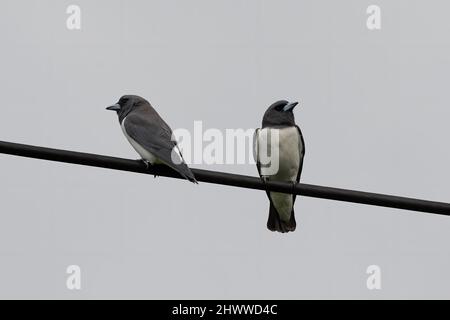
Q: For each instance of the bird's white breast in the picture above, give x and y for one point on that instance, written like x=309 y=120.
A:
x=289 y=149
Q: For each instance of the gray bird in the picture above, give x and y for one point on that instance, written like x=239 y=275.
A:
x=279 y=120
x=149 y=135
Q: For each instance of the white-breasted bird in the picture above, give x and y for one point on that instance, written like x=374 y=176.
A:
x=279 y=121
x=149 y=134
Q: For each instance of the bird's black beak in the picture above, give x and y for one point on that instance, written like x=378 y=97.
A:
x=115 y=107
x=290 y=106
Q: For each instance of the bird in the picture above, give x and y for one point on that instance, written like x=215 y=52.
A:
x=150 y=135
x=278 y=121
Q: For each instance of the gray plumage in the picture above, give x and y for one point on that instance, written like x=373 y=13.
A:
x=149 y=134
x=291 y=149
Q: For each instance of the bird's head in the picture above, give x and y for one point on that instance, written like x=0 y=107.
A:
x=126 y=104
x=280 y=113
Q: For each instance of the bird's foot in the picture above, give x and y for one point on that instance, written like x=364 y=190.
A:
x=148 y=165
x=265 y=179
x=293 y=184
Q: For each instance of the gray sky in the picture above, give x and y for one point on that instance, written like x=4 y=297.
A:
x=374 y=114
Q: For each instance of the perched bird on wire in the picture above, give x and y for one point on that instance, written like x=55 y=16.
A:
x=149 y=134
x=286 y=160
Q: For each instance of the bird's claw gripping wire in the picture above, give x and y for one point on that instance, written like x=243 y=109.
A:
x=148 y=165
x=293 y=184
x=264 y=180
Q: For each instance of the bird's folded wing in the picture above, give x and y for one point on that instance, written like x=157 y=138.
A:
x=256 y=155
x=153 y=137
x=256 y=150
x=302 y=152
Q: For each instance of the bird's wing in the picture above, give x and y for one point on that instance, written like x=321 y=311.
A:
x=302 y=154
x=256 y=157
x=256 y=150
x=156 y=137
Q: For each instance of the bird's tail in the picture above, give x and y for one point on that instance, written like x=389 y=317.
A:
x=183 y=168
x=274 y=223
x=186 y=172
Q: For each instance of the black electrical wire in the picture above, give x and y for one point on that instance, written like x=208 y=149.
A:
x=95 y=160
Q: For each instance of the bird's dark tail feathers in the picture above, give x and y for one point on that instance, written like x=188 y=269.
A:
x=274 y=223
x=186 y=172
x=183 y=168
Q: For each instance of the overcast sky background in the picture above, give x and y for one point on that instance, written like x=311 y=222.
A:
x=374 y=114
